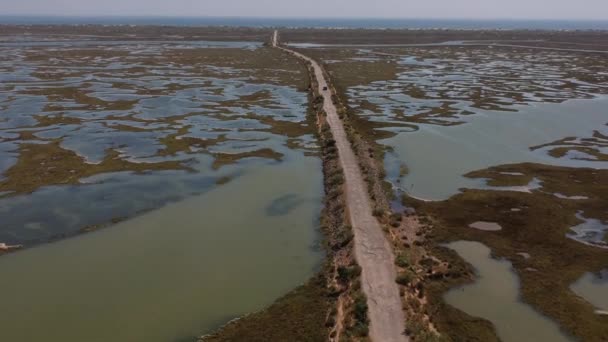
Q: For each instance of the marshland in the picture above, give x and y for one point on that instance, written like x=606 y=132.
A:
x=182 y=183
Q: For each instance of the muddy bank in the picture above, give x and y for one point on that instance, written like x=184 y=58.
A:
x=134 y=32
x=330 y=306
x=437 y=92
x=176 y=271
x=575 y=39
x=126 y=127
x=495 y=296
x=539 y=227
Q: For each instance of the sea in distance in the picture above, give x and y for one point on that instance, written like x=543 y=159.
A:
x=376 y=23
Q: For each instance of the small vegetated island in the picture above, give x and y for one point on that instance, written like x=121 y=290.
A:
x=192 y=184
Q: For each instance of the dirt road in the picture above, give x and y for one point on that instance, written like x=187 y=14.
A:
x=275 y=38
x=372 y=250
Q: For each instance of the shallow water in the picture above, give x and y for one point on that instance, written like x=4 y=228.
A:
x=590 y=232
x=443 y=154
x=460 y=109
x=77 y=42
x=594 y=288
x=58 y=210
x=225 y=238
x=495 y=296
x=221 y=106
x=175 y=272
x=487 y=226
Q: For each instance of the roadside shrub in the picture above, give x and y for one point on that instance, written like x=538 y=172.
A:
x=330 y=322
x=343 y=273
x=336 y=180
x=343 y=239
x=360 y=309
x=333 y=194
x=331 y=150
x=427 y=262
x=334 y=292
x=382 y=174
x=347 y=273
x=402 y=261
x=414 y=327
x=360 y=330
x=395 y=220
x=360 y=325
x=330 y=142
x=396 y=217
x=404 y=278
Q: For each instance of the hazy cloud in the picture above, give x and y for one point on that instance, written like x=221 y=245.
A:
x=490 y=9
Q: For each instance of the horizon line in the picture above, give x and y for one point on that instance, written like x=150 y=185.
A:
x=157 y=16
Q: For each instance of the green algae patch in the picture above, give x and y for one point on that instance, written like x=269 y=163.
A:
x=298 y=316
x=348 y=71
x=563 y=39
x=538 y=226
x=257 y=97
x=24 y=136
x=79 y=96
x=177 y=142
x=441 y=85
x=128 y=128
x=590 y=148
x=137 y=33
x=262 y=65
x=59 y=119
x=114 y=103
x=48 y=164
x=593 y=153
x=357 y=73
x=289 y=129
x=42 y=54
x=223 y=159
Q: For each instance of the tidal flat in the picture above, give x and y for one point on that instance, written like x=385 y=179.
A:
x=512 y=133
x=176 y=272
x=77 y=118
x=195 y=149
x=592 y=39
x=199 y=160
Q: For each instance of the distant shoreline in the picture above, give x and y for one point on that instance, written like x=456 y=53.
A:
x=586 y=41
x=344 y=23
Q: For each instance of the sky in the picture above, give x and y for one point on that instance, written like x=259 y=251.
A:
x=465 y=9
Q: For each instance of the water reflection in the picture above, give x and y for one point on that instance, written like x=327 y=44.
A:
x=443 y=155
x=172 y=273
x=190 y=103
x=495 y=297
x=594 y=288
